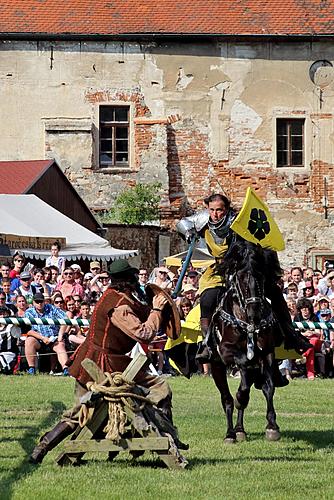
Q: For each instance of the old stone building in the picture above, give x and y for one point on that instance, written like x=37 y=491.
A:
x=201 y=96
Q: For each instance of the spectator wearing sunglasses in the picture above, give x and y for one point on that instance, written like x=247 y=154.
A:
x=18 y=266
x=45 y=338
x=69 y=286
x=99 y=283
x=26 y=288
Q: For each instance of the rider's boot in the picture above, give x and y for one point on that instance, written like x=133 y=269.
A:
x=293 y=339
x=49 y=441
x=204 y=352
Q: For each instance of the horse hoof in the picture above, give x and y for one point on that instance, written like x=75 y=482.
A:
x=241 y=436
x=229 y=441
x=273 y=435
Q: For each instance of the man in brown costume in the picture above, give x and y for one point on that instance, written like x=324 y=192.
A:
x=119 y=321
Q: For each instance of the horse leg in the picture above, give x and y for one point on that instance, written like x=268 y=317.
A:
x=241 y=402
x=218 y=372
x=268 y=389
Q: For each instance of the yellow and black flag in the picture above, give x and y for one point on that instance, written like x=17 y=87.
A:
x=255 y=223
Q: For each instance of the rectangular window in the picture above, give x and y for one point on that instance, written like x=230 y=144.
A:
x=114 y=136
x=290 y=142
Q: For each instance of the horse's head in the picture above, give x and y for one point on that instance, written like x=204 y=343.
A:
x=245 y=279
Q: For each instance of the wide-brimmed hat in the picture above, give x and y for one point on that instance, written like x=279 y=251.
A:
x=171 y=323
x=121 y=269
x=188 y=287
x=322 y=298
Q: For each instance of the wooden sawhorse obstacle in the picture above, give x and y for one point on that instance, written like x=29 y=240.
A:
x=139 y=427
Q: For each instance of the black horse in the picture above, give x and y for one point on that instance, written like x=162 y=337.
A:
x=245 y=332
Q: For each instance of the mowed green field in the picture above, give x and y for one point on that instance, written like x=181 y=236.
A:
x=299 y=466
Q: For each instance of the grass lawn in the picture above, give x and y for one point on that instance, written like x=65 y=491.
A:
x=299 y=466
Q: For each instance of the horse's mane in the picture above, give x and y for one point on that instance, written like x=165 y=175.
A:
x=247 y=256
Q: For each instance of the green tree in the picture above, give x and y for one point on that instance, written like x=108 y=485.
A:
x=135 y=205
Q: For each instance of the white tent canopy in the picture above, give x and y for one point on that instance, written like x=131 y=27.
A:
x=28 y=215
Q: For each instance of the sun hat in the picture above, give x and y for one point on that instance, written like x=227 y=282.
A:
x=94 y=264
x=25 y=275
x=76 y=267
x=88 y=276
x=189 y=288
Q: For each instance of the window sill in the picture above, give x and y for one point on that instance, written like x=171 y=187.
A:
x=113 y=170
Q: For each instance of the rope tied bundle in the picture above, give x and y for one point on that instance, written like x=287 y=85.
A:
x=116 y=390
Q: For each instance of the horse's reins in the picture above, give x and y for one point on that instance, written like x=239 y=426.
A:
x=243 y=302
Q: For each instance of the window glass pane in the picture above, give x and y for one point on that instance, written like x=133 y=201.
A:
x=121 y=133
x=106 y=145
x=297 y=142
x=121 y=145
x=105 y=132
x=282 y=142
x=282 y=158
x=296 y=127
x=121 y=114
x=281 y=127
x=122 y=158
x=104 y=158
x=297 y=158
x=107 y=113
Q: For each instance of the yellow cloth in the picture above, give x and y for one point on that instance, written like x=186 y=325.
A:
x=255 y=223
x=191 y=333
x=210 y=278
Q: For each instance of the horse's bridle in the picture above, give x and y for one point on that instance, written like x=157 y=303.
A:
x=244 y=327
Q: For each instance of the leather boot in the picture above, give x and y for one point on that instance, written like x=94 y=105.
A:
x=293 y=339
x=204 y=352
x=49 y=441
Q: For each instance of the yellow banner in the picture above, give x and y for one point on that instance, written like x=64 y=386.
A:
x=254 y=223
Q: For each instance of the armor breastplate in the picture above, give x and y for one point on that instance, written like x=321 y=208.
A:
x=220 y=230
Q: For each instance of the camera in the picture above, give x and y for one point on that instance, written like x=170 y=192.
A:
x=329 y=264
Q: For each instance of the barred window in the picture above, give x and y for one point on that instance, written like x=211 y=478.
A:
x=114 y=136
x=290 y=142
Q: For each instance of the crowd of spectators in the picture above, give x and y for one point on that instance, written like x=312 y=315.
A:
x=62 y=290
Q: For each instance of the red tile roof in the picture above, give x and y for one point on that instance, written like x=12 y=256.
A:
x=179 y=17
x=16 y=177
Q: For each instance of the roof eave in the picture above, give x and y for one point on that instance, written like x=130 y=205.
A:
x=156 y=35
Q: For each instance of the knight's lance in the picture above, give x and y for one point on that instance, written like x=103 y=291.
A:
x=184 y=267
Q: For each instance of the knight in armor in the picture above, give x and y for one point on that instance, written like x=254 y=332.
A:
x=214 y=225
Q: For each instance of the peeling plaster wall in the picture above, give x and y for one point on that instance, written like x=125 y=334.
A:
x=228 y=96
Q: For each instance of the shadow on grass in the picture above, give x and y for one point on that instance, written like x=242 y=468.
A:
x=27 y=442
x=317 y=439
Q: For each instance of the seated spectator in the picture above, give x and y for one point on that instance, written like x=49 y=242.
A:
x=9 y=336
x=70 y=308
x=308 y=274
x=39 y=282
x=4 y=272
x=9 y=297
x=45 y=338
x=190 y=292
x=162 y=277
x=193 y=278
x=306 y=313
x=78 y=274
x=326 y=285
x=18 y=260
x=86 y=283
x=68 y=286
x=54 y=277
x=26 y=288
x=297 y=278
x=78 y=300
x=100 y=283
x=308 y=291
x=142 y=278
x=184 y=306
x=21 y=305
x=321 y=303
x=55 y=259
x=95 y=267
x=58 y=301
x=292 y=291
x=79 y=336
